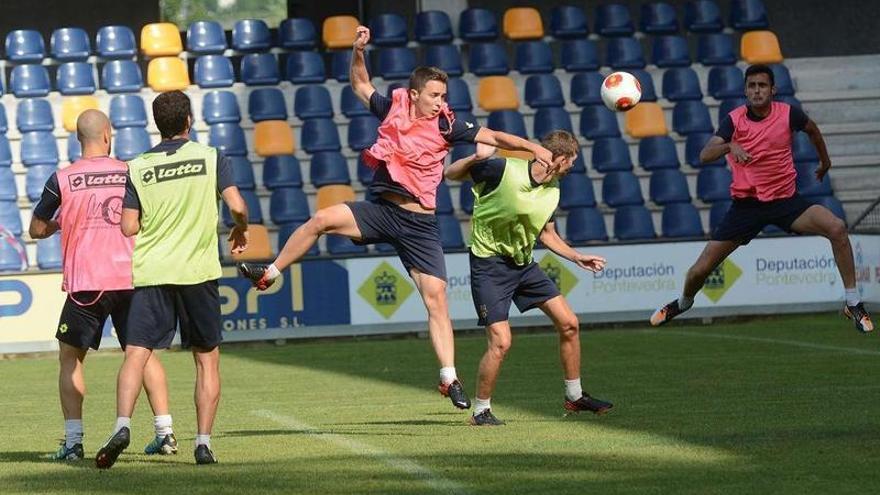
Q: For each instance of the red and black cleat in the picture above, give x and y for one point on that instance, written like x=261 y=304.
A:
x=587 y=403
x=455 y=391
x=257 y=274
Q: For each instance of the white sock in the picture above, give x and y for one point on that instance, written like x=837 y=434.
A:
x=73 y=432
x=685 y=303
x=162 y=424
x=121 y=422
x=852 y=297
x=573 y=390
x=203 y=440
x=272 y=272
x=447 y=374
x=481 y=405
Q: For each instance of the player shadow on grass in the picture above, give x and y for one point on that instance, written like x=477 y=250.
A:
x=294 y=431
x=37 y=457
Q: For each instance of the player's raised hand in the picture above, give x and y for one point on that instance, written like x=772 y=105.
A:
x=821 y=170
x=238 y=236
x=361 y=38
x=544 y=157
x=484 y=152
x=590 y=262
x=739 y=154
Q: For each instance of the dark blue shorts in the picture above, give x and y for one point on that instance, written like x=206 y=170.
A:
x=415 y=236
x=747 y=217
x=157 y=310
x=84 y=314
x=497 y=281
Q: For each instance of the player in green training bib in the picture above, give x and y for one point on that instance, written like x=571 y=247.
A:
x=514 y=202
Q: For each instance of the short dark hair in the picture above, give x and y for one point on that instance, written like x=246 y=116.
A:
x=561 y=143
x=760 y=69
x=170 y=110
x=420 y=77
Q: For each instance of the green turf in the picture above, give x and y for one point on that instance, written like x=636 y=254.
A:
x=784 y=405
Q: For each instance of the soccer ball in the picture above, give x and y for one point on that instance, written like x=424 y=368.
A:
x=621 y=91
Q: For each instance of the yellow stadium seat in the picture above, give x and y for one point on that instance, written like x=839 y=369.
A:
x=523 y=23
x=72 y=106
x=259 y=247
x=646 y=119
x=525 y=155
x=273 y=137
x=333 y=194
x=497 y=93
x=760 y=47
x=160 y=39
x=339 y=31
x=167 y=74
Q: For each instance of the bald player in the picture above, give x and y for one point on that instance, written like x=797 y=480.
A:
x=96 y=265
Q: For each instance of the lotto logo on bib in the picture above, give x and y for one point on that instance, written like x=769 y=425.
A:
x=173 y=171
x=385 y=290
x=721 y=280
x=95 y=179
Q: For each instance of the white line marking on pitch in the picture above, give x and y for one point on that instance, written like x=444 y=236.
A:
x=793 y=343
x=407 y=466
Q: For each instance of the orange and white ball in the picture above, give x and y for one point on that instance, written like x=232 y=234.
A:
x=621 y=91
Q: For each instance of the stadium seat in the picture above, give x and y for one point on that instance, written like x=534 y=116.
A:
x=9 y=218
x=693 y=145
x=782 y=80
x=130 y=142
x=523 y=23
x=228 y=138
x=320 y=135
x=702 y=16
x=620 y=189
x=363 y=132
x=8 y=190
x=488 y=59
x=624 y=53
x=306 y=67
x=72 y=106
x=388 y=30
x=727 y=105
x=10 y=259
x=116 y=42
x=669 y=186
x=255 y=212
x=396 y=62
x=160 y=39
x=34 y=114
x=25 y=46
x=497 y=93
x=611 y=155
x=450 y=232
x=243 y=172
x=286 y=230
x=251 y=35
x=4 y=124
x=70 y=44
x=220 y=107
x=691 y=116
x=657 y=152
x=433 y=26
x=802 y=148
x=726 y=82
x=167 y=74
x=715 y=49
x=214 y=71
x=267 y=104
x=760 y=47
x=121 y=76
x=647 y=84
x=568 y=22
x=579 y=166
x=38 y=148
x=74 y=149
x=328 y=167
x=580 y=55
x=29 y=80
x=273 y=137
x=671 y=51
x=534 y=57
x=807 y=185
x=681 y=84
x=260 y=69
x=746 y=15
x=281 y=171
x=613 y=19
x=389 y=91
x=544 y=90
x=549 y=119
x=646 y=119
x=713 y=184
x=598 y=122
x=288 y=204
x=633 y=223
x=717 y=212
x=788 y=99
x=259 y=247
x=522 y=155
x=458 y=95
x=341 y=245
x=5 y=152
x=350 y=105
x=312 y=102
x=364 y=172
x=509 y=121
x=338 y=31
x=443 y=200
x=681 y=220
x=333 y=195
x=205 y=38
x=298 y=33
x=585 y=89
x=659 y=18
x=477 y=25
x=446 y=57
x=585 y=225
x=576 y=191
x=832 y=204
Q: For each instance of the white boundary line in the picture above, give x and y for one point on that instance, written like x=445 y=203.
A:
x=765 y=340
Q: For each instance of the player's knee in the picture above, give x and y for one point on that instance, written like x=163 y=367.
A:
x=836 y=231
x=501 y=346
x=435 y=299
x=569 y=327
x=319 y=223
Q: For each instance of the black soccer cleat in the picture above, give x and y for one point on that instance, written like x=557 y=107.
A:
x=485 y=418
x=860 y=317
x=256 y=273
x=666 y=313
x=587 y=403
x=455 y=392
x=204 y=455
x=110 y=451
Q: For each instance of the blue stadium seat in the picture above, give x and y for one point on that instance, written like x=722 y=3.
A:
x=585 y=225
x=128 y=111
x=9 y=218
x=458 y=95
x=576 y=191
x=297 y=34
x=34 y=114
x=726 y=82
x=782 y=80
x=307 y=67
x=251 y=35
x=549 y=119
x=288 y=204
x=717 y=212
x=388 y=30
x=611 y=155
x=220 y=107
x=29 y=80
x=340 y=63
x=681 y=84
x=320 y=135
x=534 y=57
x=25 y=46
x=633 y=223
x=243 y=172
x=713 y=184
x=579 y=166
x=802 y=148
x=130 y=142
x=691 y=116
x=281 y=171
x=446 y=57
x=694 y=144
x=259 y=69
x=116 y=42
x=121 y=76
x=647 y=84
x=509 y=121
x=205 y=38
x=364 y=172
x=312 y=102
x=38 y=148
x=624 y=53
x=341 y=245
x=568 y=22
x=580 y=55
x=328 y=167
x=267 y=104
x=586 y=89
x=70 y=45
x=214 y=71
x=681 y=220
x=363 y=132
x=193 y=135
x=789 y=99
x=832 y=204
x=613 y=19
x=620 y=189
x=716 y=49
x=444 y=199
x=433 y=26
x=35 y=180
x=669 y=186
x=702 y=16
x=657 y=152
x=671 y=51
x=49 y=253
x=389 y=92
x=286 y=230
x=450 y=232
x=8 y=189
x=4 y=124
x=477 y=25
x=747 y=15
x=74 y=149
x=466 y=197
x=75 y=78
x=488 y=59
x=228 y=137
x=10 y=259
x=255 y=211
x=597 y=122
x=727 y=105
x=807 y=185
x=659 y=18
x=350 y=105
x=396 y=62
x=544 y=90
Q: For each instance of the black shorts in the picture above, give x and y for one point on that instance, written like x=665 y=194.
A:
x=157 y=310
x=85 y=313
x=415 y=236
x=747 y=217
x=497 y=281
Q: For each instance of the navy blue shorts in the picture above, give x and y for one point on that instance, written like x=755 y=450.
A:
x=157 y=310
x=747 y=217
x=84 y=314
x=497 y=281
x=415 y=236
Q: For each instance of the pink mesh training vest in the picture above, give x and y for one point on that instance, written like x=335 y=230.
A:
x=97 y=257
x=771 y=173
x=413 y=150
